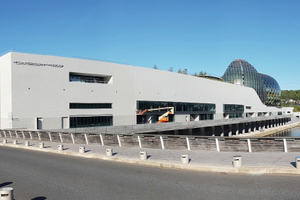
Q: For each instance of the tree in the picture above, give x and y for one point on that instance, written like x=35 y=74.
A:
x=170 y=69
x=155 y=67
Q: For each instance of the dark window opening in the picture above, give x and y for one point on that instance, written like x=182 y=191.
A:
x=90 y=105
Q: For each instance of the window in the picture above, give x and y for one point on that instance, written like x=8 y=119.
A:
x=90 y=105
x=233 y=111
x=248 y=107
x=89 y=78
x=178 y=106
x=92 y=121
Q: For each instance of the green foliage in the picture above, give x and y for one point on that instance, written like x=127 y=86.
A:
x=290 y=94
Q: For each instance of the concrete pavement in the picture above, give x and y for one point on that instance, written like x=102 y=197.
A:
x=252 y=163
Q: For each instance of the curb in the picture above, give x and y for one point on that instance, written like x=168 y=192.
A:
x=163 y=164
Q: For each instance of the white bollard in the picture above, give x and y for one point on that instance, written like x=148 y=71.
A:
x=41 y=145
x=26 y=143
x=185 y=159
x=109 y=152
x=143 y=155
x=4 y=141
x=237 y=161
x=7 y=193
x=82 y=149
x=15 y=142
x=60 y=147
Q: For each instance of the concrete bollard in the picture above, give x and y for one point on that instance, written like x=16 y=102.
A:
x=7 y=193
x=82 y=149
x=26 y=143
x=60 y=147
x=185 y=159
x=297 y=161
x=15 y=142
x=237 y=161
x=41 y=145
x=109 y=152
x=4 y=141
x=143 y=155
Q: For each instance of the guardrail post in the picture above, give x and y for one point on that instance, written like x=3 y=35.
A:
x=188 y=143
x=61 y=140
x=249 y=145
x=162 y=142
x=119 y=141
x=72 y=136
x=86 y=139
x=101 y=138
x=217 y=145
x=140 y=143
x=285 y=145
x=50 y=136
x=39 y=135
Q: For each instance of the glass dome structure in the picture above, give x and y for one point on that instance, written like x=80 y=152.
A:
x=241 y=72
x=272 y=88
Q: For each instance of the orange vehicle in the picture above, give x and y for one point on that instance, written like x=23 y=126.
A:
x=164 y=117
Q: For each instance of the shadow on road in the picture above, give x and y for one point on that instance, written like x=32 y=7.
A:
x=293 y=163
x=39 y=198
x=5 y=184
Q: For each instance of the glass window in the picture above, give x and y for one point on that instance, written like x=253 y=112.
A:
x=79 y=122
x=90 y=105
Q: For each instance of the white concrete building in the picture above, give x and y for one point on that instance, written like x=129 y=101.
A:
x=48 y=92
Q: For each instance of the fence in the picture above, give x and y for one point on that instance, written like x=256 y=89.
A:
x=180 y=142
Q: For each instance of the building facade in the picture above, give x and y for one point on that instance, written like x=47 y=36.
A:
x=48 y=92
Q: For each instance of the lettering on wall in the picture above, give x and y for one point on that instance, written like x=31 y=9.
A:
x=38 y=64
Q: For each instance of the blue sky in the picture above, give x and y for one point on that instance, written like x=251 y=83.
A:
x=197 y=35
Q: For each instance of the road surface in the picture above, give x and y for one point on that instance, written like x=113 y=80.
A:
x=38 y=176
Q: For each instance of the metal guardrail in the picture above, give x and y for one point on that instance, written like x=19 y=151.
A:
x=164 y=142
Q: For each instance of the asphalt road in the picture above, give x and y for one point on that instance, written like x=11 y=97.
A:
x=39 y=176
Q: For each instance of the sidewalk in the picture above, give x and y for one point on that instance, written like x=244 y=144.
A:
x=253 y=163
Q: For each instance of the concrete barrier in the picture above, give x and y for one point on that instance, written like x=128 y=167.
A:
x=7 y=193
x=82 y=149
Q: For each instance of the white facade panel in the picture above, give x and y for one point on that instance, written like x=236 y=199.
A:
x=37 y=86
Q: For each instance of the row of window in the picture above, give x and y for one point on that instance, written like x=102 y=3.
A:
x=233 y=108
x=90 y=105
x=80 y=122
x=178 y=106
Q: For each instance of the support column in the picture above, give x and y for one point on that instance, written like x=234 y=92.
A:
x=202 y=131
x=230 y=130
x=175 y=132
x=213 y=130
x=249 y=128
x=222 y=134
x=237 y=129
x=243 y=128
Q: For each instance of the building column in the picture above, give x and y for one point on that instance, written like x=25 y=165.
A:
x=213 y=130
x=230 y=130
x=222 y=129
x=175 y=132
